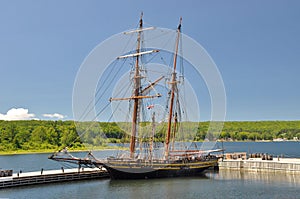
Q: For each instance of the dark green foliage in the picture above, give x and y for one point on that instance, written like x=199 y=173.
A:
x=36 y=135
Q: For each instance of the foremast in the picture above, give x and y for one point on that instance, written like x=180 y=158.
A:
x=137 y=85
x=173 y=90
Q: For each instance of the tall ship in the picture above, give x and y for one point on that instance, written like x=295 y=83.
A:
x=144 y=159
x=173 y=163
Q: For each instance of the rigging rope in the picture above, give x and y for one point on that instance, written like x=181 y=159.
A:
x=88 y=109
x=85 y=113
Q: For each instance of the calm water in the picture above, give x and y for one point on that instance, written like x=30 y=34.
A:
x=212 y=185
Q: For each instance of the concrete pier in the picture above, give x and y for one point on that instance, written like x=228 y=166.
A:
x=288 y=165
x=51 y=176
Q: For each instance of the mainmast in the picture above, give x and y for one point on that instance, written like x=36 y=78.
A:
x=173 y=87
x=137 y=85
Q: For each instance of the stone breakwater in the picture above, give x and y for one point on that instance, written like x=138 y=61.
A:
x=289 y=165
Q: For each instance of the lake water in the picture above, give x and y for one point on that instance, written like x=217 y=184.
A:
x=224 y=184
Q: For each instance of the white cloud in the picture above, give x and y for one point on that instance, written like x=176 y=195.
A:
x=17 y=114
x=54 y=115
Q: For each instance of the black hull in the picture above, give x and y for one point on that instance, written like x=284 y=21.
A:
x=127 y=174
x=118 y=174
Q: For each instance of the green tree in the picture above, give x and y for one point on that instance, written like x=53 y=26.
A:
x=52 y=136
x=69 y=136
x=22 y=138
x=39 y=135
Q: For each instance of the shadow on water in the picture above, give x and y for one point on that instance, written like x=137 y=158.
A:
x=150 y=181
x=157 y=188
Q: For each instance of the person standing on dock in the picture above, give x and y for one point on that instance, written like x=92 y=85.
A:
x=62 y=169
x=42 y=171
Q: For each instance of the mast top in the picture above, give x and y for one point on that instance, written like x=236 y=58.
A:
x=141 y=20
x=179 y=26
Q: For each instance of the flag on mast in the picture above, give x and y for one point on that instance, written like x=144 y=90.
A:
x=150 y=106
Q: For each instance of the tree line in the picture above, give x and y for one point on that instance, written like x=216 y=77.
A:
x=41 y=135
x=254 y=130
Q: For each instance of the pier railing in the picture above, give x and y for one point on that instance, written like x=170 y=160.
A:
x=32 y=178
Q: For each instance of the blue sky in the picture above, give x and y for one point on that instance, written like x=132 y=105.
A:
x=255 y=44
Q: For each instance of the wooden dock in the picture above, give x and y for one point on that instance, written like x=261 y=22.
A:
x=51 y=176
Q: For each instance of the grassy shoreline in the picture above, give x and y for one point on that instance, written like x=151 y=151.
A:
x=41 y=151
